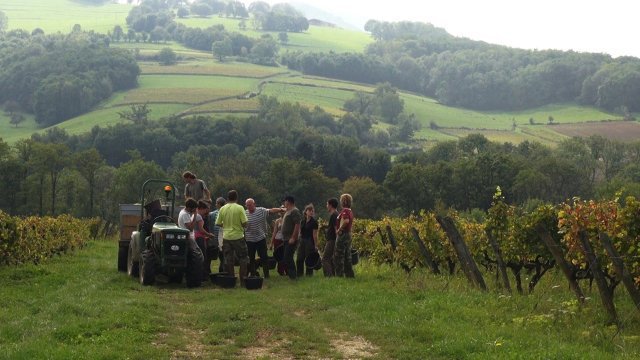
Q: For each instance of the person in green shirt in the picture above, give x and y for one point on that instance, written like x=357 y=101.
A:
x=233 y=221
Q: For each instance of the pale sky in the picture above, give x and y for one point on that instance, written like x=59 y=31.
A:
x=610 y=26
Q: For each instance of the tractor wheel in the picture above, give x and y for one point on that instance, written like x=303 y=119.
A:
x=194 y=270
x=147 y=267
x=123 y=253
x=132 y=266
x=176 y=277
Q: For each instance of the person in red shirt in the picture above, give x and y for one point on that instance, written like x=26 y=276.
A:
x=342 y=255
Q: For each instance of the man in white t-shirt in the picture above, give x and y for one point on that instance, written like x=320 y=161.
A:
x=256 y=234
x=187 y=220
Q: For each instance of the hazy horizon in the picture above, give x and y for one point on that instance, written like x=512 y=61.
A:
x=585 y=26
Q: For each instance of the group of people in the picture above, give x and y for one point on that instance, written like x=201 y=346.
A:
x=234 y=234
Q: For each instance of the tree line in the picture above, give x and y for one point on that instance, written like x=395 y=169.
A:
x=289 y=149
x=154 y=20
x=473 y=74
x=39 y=73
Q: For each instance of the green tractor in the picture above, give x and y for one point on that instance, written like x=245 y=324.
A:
x=159 y=246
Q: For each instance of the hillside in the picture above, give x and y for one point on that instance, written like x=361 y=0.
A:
x=199 y=84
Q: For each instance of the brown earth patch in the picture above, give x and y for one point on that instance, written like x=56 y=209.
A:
x=353 y=347
x=195 y=348
x=625 y=131
x=267 y=347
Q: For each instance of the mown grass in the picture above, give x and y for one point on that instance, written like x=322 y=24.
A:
x=191 y=89
x=332 y=100
x=109 y=116
x=233 y=105
x=81 y=307
x=324 y=82
x=212 y=68
x=61 y=15
x=10 y=133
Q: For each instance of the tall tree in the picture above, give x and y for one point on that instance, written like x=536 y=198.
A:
x=49 y=160
x=87 y=163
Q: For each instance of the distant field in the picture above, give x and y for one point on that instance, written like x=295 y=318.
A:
x=10 y=133
x=60 y=15
x=194 y=81
x=617 y=130
x=317 y=38
x=232 y=105
x=331 y=100
x=173 y=95
x=185 y=89
x=323 y=82
x=151 y=49
x=106 y=117
x=500 y=136
x=211 y=68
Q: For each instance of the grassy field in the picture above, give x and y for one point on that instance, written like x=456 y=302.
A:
x=80 y=307
x=10 y=133
x=60 y=15
x=330 y=99
x=317 y=38
x=107 y=117
x=212 y=68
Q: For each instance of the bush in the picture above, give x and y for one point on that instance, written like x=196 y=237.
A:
x=34 y=239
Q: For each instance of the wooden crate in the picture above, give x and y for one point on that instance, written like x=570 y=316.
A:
x=129 y=220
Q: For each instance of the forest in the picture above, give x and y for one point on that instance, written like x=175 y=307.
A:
x=289 y=149
x=460 y=72
x=39 y=72
x=286 y=147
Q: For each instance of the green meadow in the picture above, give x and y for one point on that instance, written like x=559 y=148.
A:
x=78 y=306
x=61 y=15
x=317 y=38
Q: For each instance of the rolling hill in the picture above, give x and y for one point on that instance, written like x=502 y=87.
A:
x=199 y=84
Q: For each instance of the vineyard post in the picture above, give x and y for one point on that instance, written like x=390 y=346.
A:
x=382 y=239
x=606 y=293
x=425 y=252
x=392 y=239
x=501 y=266
x=466 y=261
x=621 y=270
x=554 y=248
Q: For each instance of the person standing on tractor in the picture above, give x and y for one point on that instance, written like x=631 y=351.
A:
x=233 y=220
x=195 y=188
x=256 y=235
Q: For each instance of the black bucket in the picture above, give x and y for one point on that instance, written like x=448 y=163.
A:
x=253 y=282
x=355 y=257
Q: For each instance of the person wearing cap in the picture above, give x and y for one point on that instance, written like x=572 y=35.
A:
x=256 y=235
x=233 y=220
x=290 y=232
x=195 y=188
x=342 y=254
x=309 y=241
